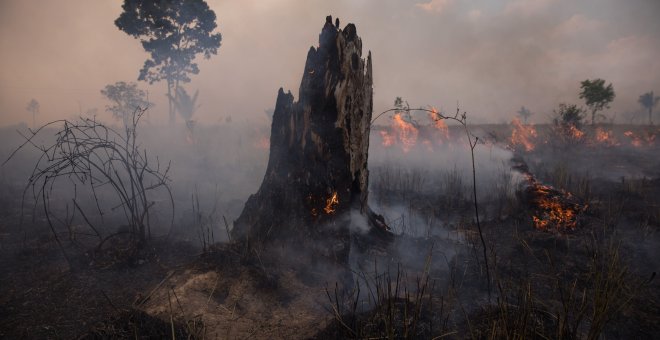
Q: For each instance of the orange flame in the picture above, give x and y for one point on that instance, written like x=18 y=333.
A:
x=407 y=133
x=331 y=203
x=438 y=123
x=554 y=207
x=522 y=135
x=554 y=214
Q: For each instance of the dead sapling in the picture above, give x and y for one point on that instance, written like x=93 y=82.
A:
x=91 y=155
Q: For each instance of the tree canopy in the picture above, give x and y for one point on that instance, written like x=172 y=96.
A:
x=125 y=98
x=596 y=95
x=173 y=32
x=649 y=101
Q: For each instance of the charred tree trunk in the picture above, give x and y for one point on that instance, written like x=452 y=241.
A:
x=314 y=191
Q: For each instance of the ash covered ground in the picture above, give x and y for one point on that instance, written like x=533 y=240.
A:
x=570 y=227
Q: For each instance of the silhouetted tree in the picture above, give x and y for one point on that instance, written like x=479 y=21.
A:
x=649 y=101
x=524 y=113
x=173 y=32
x=596 y=95
x=126 y=98
x=33 y=107
x=186 y=106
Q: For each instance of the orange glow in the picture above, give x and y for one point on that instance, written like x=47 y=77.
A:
x=634 y=140
x=331 y=203
x=638 y=140
x=262 y=143
x=575 y=132
x=605 y=137
x=388 y=138
x=522 y=135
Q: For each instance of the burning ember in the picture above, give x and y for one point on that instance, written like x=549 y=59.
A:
x=554 y=209
x=331 y=203
x=522 y=135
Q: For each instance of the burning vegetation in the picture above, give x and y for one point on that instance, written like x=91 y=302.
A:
x=522 y=135
x=331 y=204
x=407 y=133
x=553 y=209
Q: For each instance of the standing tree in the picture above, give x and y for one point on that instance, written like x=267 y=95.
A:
x=126 y=98
x=524 y=113
x=649 y=101
x=33 y=107
x=173 y=32
x=596 y=95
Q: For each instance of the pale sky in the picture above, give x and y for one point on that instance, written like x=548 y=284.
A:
x=489 y=56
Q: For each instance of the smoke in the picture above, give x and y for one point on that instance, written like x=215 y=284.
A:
x=491 y=58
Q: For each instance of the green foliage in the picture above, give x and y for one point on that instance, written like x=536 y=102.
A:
x=596 y=95
x=649 y=101
x=173 y=32
x=126 y=98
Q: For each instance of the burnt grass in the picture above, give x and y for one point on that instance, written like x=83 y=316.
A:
x=595 y=281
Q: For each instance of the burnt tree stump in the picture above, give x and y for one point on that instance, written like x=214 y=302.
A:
x=315 y=189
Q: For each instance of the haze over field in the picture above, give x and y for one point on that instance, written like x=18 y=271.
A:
x=489 y=56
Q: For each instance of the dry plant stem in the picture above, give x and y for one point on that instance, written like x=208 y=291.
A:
x=472 y=141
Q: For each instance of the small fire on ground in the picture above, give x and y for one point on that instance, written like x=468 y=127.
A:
x=331 y=203
x=526 y=137
x=553 y=209
x=407 y=133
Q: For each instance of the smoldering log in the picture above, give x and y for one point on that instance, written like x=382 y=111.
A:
x=315 y=189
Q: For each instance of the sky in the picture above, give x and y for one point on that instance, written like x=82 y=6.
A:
x=488 y=57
